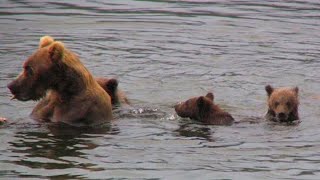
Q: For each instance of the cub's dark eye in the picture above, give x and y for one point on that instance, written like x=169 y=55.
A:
x=29 y=70
x=288 y=104
x=276 y=104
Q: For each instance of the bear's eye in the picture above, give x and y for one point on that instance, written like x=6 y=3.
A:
x=276 y=104
x=29 y=70
x=288 y=104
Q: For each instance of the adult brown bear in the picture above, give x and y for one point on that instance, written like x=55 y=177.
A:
x=71 y=94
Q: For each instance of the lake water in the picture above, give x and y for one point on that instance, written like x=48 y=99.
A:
x=163 y=52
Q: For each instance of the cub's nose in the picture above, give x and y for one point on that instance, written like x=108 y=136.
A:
x=282 y=116
x=177 y=105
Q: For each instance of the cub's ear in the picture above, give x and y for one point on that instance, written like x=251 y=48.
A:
x=203 y=103
x=203 y=107
x=112 y=85
x=210 y=96
x=296 y=90
x=45 y=41
x=269 y=89
x=200 y=102
x=56 y=51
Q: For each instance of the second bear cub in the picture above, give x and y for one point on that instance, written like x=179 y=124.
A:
x=110 y=85
x=204 y=110
x=283 y=104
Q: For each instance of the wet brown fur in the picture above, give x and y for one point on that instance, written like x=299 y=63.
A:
x=71 y=93
x=283 y=104
x=204 y=110
x=110 y=85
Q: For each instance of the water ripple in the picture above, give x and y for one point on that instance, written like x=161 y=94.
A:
x=163 y=52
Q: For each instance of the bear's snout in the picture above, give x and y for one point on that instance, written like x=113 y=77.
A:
x=13 y=87
x=282 y=116
x=176 y=106
x=18 y=90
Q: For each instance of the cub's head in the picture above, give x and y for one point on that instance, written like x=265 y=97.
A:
x=195 y=108
x=39 y=71
x=283 y=103
x=110 y=86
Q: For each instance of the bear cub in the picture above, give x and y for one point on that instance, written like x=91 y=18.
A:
x=110 y=85
x=282 y=104
x=204 y=109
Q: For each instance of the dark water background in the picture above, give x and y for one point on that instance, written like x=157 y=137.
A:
x=164 y=52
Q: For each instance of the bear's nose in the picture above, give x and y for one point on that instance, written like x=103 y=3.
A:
x=12 y=87
x=282 y=115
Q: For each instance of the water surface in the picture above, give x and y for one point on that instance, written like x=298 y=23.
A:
x=163 y=52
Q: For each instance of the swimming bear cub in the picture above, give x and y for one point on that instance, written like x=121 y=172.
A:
x=204 y=109
x=110 y=85
x=283 y=104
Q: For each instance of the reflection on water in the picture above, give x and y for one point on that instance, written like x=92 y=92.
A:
x=163 y=52
x=194 y=130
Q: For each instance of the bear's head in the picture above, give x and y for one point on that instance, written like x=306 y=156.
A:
x=204 y=110
x=40 y=71
x=283 y=103
x=110 y=86
x=195 y=108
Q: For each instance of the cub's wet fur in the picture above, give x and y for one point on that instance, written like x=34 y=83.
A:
x=204 y=109
x=283 y=104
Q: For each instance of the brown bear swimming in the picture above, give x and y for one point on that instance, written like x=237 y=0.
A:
x=71 y=94
x=110 y=85
x=118 y=97
x=204 y=110
x=282 y=104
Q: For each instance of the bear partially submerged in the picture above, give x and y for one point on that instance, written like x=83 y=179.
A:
x=110 y=85
x=283 y=104
x=69 y=91
x=204 y=110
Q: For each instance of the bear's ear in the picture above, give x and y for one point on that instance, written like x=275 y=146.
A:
x=210 y=96
x=200 y=102
x=112 y=85
x=56 y=51
x=269 y=89
x=203 y=102
x=203 y=107
x=296 y=90
x=45 y=41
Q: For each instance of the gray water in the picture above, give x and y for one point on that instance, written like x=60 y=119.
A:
x=163 y=52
